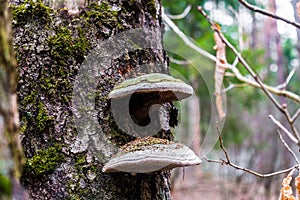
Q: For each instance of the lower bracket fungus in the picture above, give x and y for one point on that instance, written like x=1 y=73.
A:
x=149 y=154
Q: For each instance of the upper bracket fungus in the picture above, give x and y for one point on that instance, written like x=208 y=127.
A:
x=137 y=102
x=151 y=154
x=164 y=87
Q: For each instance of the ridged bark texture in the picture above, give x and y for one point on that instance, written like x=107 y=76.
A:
x=51 y=46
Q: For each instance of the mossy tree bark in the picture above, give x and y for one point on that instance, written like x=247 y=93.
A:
x=10 y=154
x=51 y=44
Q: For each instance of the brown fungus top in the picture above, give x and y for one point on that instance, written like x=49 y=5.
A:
x=150 y=154
x=140 y=143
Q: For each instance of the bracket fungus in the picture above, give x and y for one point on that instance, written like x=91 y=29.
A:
x=137 y=102
x=149 y=154
x=166 y=87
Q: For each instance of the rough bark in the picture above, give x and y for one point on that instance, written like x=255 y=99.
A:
x=10 y=154
x=52 y=46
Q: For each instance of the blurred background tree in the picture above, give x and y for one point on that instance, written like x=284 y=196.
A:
x=271 y=47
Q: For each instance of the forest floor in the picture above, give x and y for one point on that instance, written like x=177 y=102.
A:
x=193 y=184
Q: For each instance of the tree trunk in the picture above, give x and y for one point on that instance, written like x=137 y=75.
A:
x=297 y=19
x=10 y=154
x=272 y=36
x=69 y=61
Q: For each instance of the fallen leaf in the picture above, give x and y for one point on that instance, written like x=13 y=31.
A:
x=297 y=183
x=286 y=192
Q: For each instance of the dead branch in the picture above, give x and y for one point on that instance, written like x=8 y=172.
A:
x=296 y=115
x=288 y=147
x=185 y=39
x=289 y=77
x=234 y=85
x=281 y=108
x=287 y=132
x=253 y=83
x=183 y=14
x=241 y=59
x=232 y=67
x=179 y=62
x=229 y=163
x=267 y=13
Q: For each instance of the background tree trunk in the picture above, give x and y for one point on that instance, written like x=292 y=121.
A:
x=10 y=154
x=294 y=2
x=51 y=45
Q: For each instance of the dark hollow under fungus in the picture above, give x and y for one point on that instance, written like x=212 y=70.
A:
x=139 y=100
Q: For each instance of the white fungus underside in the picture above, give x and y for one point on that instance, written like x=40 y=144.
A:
x=158 y=157
x=180 y=89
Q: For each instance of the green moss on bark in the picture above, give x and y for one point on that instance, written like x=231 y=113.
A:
x=31 y=10
x=152 y=8
x=44 y=161
x=102 y=15
x=63 y=45
x=42 y=118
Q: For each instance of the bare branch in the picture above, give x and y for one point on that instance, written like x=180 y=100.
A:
x=232 y=67
x=288 y=133
x=221 y=142
x=179 y=62
x=183 y=14
x=253 y=83
x=267 y=13
x=235 y=62
x=185 y=39
x=296 y=115
x=288 y=147
x=281 y=108
x=289 y=77
x=241 y=59
x=223 y=162
x=233 y=85
x=229 y=163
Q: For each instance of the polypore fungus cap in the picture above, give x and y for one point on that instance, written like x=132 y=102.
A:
x=151 y=154
x=168 y=88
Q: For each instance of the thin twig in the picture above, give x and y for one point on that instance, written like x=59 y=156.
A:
x=241 y=59
x=179 y=62
x=230 y=74
x=228 y=162
x=288 y=147
x=291 y=123
x=281 y=108
x=295 y=116
x=223 y=162
x=288 y=133
x=288 y=79
x=183 y=14
x=233 y=85
x=185 y=39
x=267 y=13
x=253 y=83
x=235 y=62
x=232 y=67
x=221 y=142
